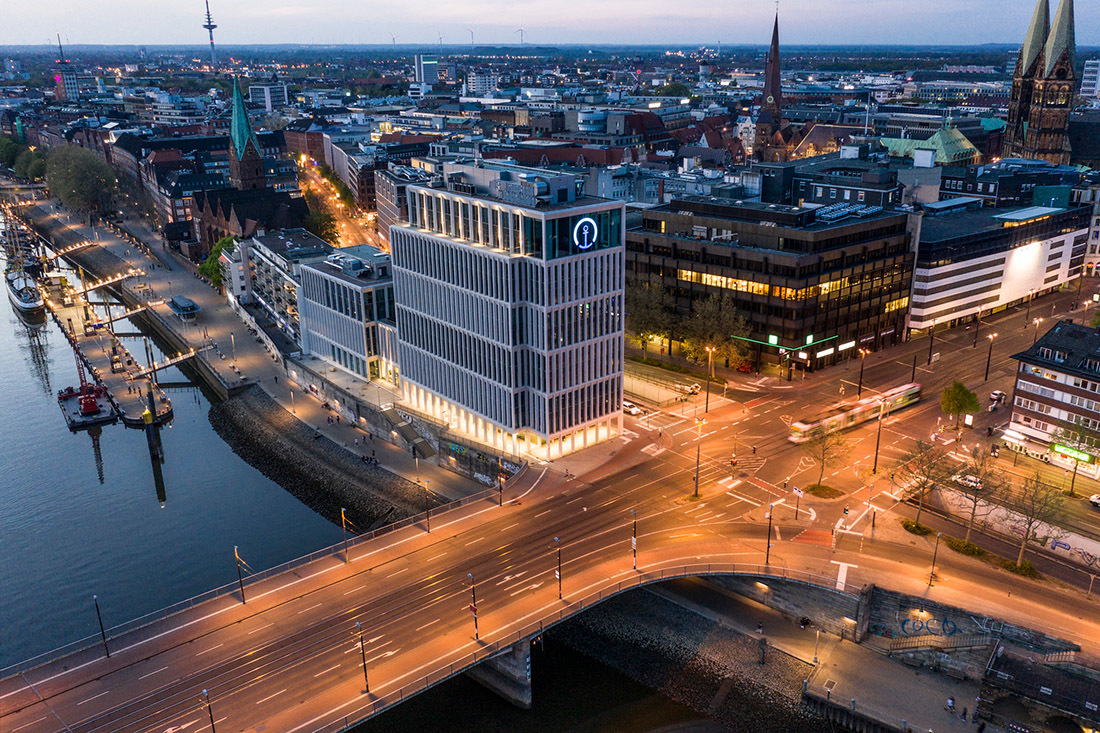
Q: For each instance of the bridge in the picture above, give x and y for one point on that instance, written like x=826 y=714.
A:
x=336 y=637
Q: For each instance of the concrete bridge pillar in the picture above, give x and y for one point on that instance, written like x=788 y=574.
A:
x=508 y=674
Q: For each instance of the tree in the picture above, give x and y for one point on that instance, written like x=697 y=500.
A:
x=211 y=268
x=1080 y=440
x=1038 y=506
x=322 y=224
x=27 y=163
x=714 y=322
x=9 y=151
x=80 y=179
x=675 y=89
x=827 y=448
x=957 y=400
x=922 y=468
x=985 y=492
x=648 y=311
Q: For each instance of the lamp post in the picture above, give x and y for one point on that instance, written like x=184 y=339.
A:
x=862 y=361
x=698 y=448
x=934 y=554
x=878 y=437
x=557 y=573
x=209 y=710
x=102 y=632
x=1035 y=334
x=427 y=505
x=931 y=340
x=634 y=538
x=344 y=526
x=977 y=328
x=710 y=375
x=240 y=578
x=989 y=358
x=473 y=603
x=1028 y=316
x=768 y=546
x=363 y=654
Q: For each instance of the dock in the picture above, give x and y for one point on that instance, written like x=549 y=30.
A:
x=117 y=377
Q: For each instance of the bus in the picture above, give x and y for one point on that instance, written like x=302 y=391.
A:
x=847 y=414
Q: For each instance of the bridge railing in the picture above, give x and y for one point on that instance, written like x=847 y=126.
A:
x=533 y=629
x=249 y=580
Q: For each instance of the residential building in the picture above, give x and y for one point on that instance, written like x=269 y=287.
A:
x=274 y=263
x=1090 y=79
x=509 y=290
x=1009 y=182
x=815 y=285
x=347 y=314
x=1056 y=399
x=271 y=96
x=974 y=260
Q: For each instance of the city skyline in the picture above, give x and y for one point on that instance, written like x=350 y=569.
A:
x=938 y=22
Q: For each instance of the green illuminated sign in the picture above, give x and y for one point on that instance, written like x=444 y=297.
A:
x=773 y=340
x=809 y=339
x=1075 y=454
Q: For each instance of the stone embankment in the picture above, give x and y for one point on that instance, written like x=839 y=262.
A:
x=321 y=474
x=694 y=661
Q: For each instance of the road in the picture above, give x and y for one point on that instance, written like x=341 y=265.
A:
x=353 y=229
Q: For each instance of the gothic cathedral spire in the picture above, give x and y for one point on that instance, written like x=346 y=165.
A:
x=246 y=165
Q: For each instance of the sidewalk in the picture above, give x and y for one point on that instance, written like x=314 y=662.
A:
x=851 y=671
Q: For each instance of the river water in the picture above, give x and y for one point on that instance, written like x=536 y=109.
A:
x=81 y=515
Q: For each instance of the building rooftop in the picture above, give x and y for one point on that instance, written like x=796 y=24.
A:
x=1067 y=347
x=951 y=224
x=362 y=265
x=806 y=218
x=294 y=244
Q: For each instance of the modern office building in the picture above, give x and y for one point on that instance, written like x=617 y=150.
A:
x=346 y=311
x=814 y=284
x=974 y=260
x=427 y=68
x=1058 y=389
x=389 y=191
x=1090 y=79
x=509 y=289
x=271 y=96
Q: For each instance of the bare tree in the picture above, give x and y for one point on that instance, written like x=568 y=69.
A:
x=1082 y=444
x=980 y=495
x=923 y=467
x=827 y=448
x=1038 y=505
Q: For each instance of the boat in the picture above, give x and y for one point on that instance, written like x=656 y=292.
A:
x=23 y=292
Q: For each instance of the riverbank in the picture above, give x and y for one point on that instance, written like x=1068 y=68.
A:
x=317 y=471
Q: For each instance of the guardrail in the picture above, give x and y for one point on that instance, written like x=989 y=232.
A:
x=445 y=672
x=850 y=708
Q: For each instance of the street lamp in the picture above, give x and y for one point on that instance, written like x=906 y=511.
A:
x=427 y=505
x=989 y=358
x=710 y=375
x=698 y=448
x=240 y=578
x=557 y=573
x=209 y=709
x=634 y=538
x=473 y=604
x=1028 y=316
x=344 y=526
x=768 y=546
x=862 y=360
x=934 y=553
x=931 y=340
x=1035 y=335
x=363 y=654
x=977 y=328
x=878 y=437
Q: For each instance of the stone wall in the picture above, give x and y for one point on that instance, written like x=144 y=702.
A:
x=830 y=610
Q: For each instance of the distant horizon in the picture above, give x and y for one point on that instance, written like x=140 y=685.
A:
x=495 y=23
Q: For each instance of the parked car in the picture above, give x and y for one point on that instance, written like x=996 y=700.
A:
x=1095 y=500
x=997 y=396
x=970 y=482
x=631 y=409
x=689 y=388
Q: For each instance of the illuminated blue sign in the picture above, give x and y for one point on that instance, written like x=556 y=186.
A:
x=585 y=232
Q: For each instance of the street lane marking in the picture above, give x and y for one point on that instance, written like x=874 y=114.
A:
x=150 y=674
x=397 y=572
x=326 y=671
x=842 y=573
x=269 y=697
x=542 y=513
x=742 y=498
x=695 y=509
x=204 y=651
x=437 y=556
x=28 y=725
x=93 y=697
x=318 y=605
x=421 y=628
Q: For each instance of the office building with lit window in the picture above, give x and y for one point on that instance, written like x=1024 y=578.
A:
x=816 y=284
x=509 y=289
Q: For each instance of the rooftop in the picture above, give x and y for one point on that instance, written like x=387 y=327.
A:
x=805 y=218
x=294 y=244
x=965 y=222
x=1067 y=347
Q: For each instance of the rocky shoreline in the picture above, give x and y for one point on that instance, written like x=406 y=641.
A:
x=321 y=474
x=693 y=661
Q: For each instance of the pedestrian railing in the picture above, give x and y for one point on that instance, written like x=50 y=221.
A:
x=850 y=706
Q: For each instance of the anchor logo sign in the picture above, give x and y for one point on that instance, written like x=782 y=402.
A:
x=585 y=233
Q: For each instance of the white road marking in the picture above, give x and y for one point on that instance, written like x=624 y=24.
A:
x=421 y=628
x=542 y=513
x=398 y=572
x=743 y=498
x=318 y=605
x=842 y=573
x=93 y=697
x=28 y=725
x=204 y=651
x=150 y=674
x=695 y=509
x=439 y=555
x=270 y=697
x=326 y=671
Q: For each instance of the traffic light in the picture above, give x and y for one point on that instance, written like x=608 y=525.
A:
x=845 y=510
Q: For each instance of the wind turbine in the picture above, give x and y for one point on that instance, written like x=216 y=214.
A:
x=394 y=40
x=471 y=36
x=440 y=41
x=521 y=31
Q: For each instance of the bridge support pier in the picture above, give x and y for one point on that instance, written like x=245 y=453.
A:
x=508 y=674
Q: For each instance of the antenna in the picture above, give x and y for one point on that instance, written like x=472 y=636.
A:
x=521 y=31
x=440 y=41
x=60 y=51
x=471 y=36
x=394 y=40
x=209 y=25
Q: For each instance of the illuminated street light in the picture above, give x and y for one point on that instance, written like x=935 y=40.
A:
x=862 y=360
x=989 y=358
x=710 y=375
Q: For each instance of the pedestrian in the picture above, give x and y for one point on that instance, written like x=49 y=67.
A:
x=357 y=442
x=963 y=716
x=372 y=452
x=754 y=450
x=981 y=727
x=760 y=628
x=951 y=704
x=371 y=435
x=276 y=379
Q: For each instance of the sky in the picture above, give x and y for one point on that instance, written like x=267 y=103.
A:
x=559 y=21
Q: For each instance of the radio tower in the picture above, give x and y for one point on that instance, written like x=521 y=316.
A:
x=210 y=26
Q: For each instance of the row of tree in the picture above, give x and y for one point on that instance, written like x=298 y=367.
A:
x=713 y=324
x=25 y=161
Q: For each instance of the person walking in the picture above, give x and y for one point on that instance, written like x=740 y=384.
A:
x=950 y=704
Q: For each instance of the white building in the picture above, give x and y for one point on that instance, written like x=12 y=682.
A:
x=1090 y=79
x=427 y=68
x=271 y=96
x=972 y=260
x=509 y=291
x=480 y=84
x=346 y=311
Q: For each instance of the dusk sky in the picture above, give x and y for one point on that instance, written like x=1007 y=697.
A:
x=563 y=21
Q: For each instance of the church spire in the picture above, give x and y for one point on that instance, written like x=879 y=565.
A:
x=240 y=129
x=773 y=92
x=1036 y=37
x=1061 y=38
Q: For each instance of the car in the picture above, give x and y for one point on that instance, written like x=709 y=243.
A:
x=1095 y=500
x=689 y=388
x=967 y=480
x=631 y=409
x=997 y=396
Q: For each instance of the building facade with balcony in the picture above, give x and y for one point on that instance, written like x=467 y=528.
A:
x=509 y=289
x=274 y=262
